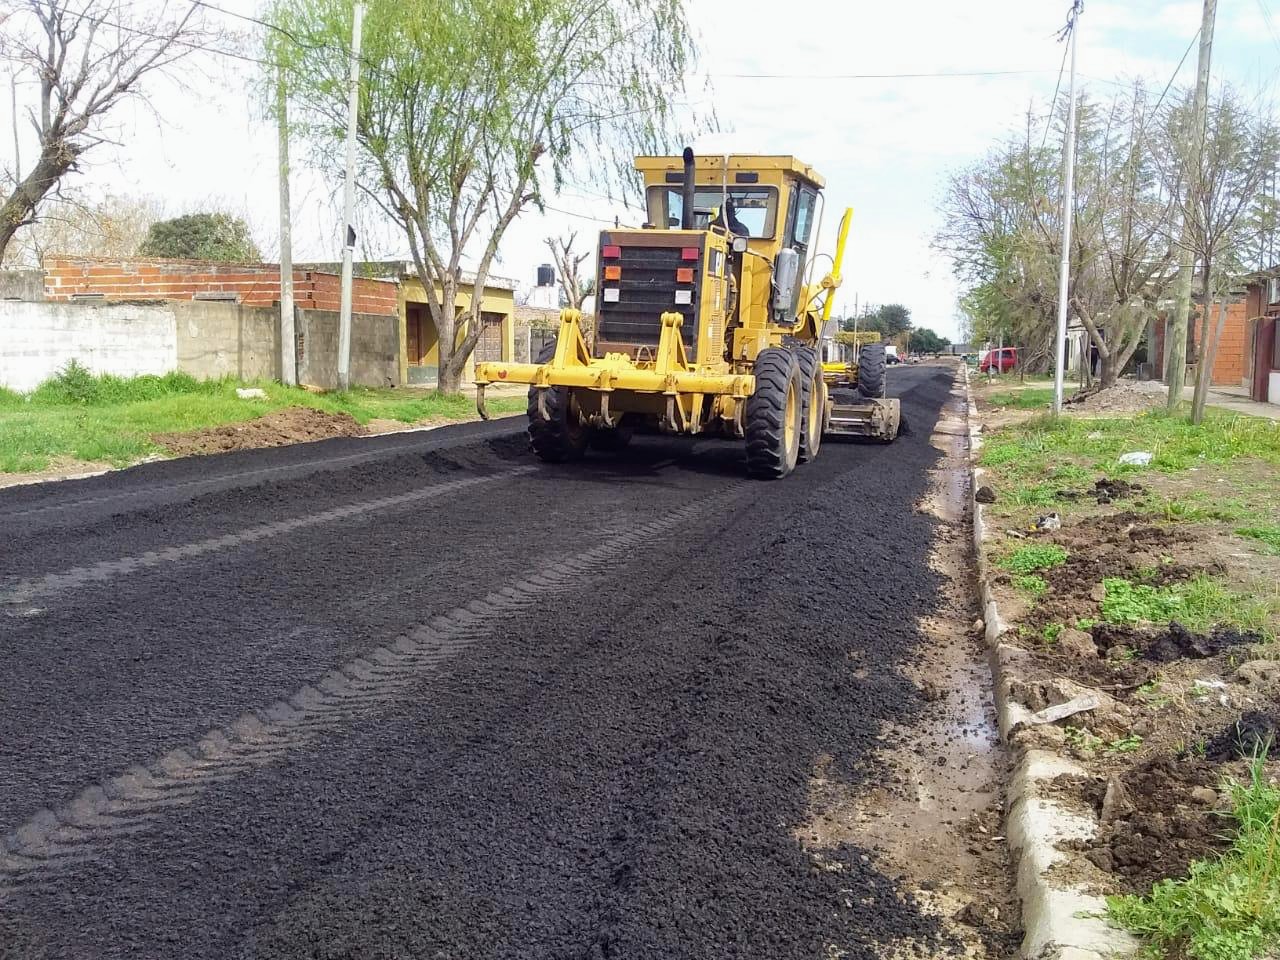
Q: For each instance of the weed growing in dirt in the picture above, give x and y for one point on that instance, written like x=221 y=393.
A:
x=1035 y=495
x=1149 y=693
x=1268 y=536
x=1127 y=744
x=1224 y=909
x=1034 y=557
x=1082 y=740
x=1051 y=632
x=1188 y=511
x=1127 y=602
x=1030 y=583
x=1199 y=604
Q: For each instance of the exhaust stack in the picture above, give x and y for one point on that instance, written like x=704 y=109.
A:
x=686 y=207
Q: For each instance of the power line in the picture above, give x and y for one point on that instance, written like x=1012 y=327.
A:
x=873 y=76
x=1178 y=69
x=1056 y=87
x=1271 y=29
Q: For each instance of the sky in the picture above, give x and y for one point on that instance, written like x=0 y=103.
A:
x=811 y=84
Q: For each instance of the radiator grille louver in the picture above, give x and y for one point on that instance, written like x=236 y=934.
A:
x=646 y=291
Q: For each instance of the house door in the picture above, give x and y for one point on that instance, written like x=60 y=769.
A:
x=413 y=334
x=489 y=346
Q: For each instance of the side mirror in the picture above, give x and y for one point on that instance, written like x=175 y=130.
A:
x=739 y=244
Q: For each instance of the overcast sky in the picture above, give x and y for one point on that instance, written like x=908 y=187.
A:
x=885 y=145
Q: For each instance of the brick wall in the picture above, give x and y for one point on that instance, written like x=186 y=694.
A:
x=1228 y=365
x=255 y=284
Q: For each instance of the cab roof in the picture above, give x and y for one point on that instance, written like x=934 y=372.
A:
x=744 y=162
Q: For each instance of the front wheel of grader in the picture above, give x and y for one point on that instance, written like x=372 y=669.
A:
x=555 y=433
x=774 y=415
x=871 y=370
x=815 y=402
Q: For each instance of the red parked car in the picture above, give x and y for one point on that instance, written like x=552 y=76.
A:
x=1002 y=361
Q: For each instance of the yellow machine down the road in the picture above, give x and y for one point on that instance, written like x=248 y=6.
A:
x=708 y=322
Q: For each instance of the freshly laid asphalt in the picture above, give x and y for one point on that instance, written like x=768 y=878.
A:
x=423 y=697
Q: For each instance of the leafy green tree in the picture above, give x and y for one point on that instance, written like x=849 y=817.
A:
x=924 y=340
x=892 y=320
x=201 y=236
x=473 y=112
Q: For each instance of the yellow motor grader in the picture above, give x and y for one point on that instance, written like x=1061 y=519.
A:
x=708 y=322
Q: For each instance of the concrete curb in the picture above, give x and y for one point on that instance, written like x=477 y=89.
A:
x=1057 y=918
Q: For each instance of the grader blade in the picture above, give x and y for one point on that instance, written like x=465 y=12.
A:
x=876 y=419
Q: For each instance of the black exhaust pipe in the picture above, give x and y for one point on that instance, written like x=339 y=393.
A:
x=686 y=208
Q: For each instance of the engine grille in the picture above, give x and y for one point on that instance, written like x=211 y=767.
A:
x=646 y=291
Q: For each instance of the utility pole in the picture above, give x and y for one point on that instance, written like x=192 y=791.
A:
x=1176 y=334
x=348 y=207
x=288 y=347
x=1068 y=214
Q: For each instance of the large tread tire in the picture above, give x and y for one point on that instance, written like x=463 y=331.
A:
x=559 y=438
x=871 y=370
x=813 y=414
x=773 y=442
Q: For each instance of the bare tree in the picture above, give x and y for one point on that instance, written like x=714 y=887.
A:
x=112 y=227
x=87 y=57
x=1223 y=175
x=1136 y=262
x=569 y=268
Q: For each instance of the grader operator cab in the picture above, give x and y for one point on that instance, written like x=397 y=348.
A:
x=708 y=322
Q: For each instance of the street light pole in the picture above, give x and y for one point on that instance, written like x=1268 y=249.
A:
x=1068 y=213
x=348 y=207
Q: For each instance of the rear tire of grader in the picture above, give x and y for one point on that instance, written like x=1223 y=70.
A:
x=774 y=415
x=558 y=437
x=814 y=416
x=871 y=368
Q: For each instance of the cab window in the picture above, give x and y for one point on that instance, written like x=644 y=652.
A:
x=752 y=211
x=802 y=223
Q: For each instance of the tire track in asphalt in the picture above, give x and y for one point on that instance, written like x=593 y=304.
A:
x=24 y=591
x=57 y=838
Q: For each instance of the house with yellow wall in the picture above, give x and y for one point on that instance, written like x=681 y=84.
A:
x=420 y=343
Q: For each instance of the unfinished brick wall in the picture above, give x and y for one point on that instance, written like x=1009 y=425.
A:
x=254 y=284
x=1228 y=365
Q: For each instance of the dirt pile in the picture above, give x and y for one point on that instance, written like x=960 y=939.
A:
x=294 y=425
x=1122 y=398
x=1255 y=732
x=1155 y=821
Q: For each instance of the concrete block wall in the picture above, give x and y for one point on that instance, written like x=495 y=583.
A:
x=375 y=349
x=227 y=340
x=207 y=339
x=38 y=339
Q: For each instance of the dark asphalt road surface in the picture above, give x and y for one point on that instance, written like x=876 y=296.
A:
x=421 y=696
